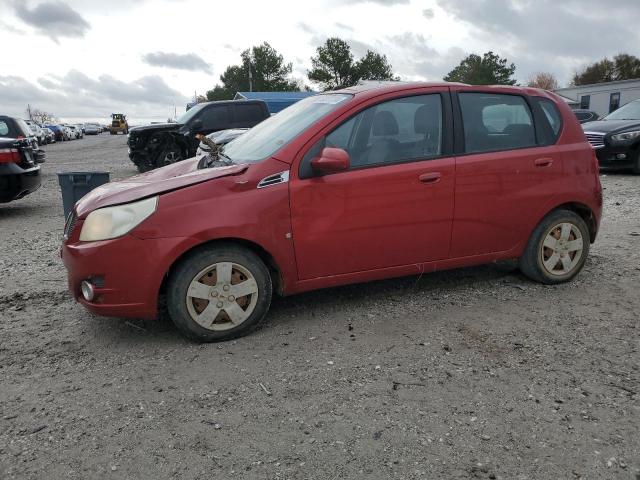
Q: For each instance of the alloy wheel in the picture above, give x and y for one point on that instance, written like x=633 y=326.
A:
x=171 y=157
x=562 y=249
x=222 y=296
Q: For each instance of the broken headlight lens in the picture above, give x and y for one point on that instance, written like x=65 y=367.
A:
x=111 y=222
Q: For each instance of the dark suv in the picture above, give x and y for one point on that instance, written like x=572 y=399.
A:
x=157 y=145
x=616 y=138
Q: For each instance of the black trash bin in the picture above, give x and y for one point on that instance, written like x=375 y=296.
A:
x=75 y=185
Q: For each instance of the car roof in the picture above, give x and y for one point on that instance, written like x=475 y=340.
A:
x=375 y=88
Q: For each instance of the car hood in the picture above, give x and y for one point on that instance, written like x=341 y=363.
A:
x=608 y=126
x=156 y=127
x=162 y=180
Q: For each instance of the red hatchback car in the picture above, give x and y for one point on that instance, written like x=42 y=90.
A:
x=365 y=183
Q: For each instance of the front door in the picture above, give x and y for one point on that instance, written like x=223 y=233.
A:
x=393 y=207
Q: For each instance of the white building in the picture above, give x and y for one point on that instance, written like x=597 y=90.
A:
x=602 y=98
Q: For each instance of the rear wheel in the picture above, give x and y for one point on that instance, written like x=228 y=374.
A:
x=219 y=293
x=557 y=249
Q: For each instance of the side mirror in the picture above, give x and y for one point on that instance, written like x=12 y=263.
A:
x=331 y=160
x=197 y=126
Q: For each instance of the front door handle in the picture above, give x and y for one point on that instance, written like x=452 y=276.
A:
x=431 y=177
x=543 y=162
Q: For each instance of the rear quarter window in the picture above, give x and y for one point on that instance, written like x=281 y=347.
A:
x=553 y=116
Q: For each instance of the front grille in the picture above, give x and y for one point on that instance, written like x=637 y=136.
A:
x=596 y=139
x=72 y=219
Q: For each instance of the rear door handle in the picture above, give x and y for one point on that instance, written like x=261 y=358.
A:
x=431 y=177
x=543 y=162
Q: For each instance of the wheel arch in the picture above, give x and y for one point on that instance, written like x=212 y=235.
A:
x=265 y=256
x=584 y=211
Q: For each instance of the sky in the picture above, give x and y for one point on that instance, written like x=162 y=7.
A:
x=84 y=59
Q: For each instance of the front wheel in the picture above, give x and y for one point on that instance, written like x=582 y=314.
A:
x=557 y=249
x=219 y=293
x=170 y=155
x=142 y=163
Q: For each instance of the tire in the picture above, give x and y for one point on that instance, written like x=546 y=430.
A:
x=553 y=239
x=142 y=164
x=242 y=267
x=170 y=155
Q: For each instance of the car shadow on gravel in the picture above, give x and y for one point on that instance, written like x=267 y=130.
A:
x=13 y=210
x=444 y=281
x=296 y=309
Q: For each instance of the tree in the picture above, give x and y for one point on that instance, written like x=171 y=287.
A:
x=543 y=80
x=269 y=73
x=374 y=66
x=40 y=116
x=622 y=67
x=334 y=67
x=489 y=69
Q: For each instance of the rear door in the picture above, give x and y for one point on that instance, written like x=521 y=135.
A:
x=506 y=168
x=394 y=206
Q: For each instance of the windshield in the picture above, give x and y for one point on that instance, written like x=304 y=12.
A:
x=189 y=114
x=269 y=136
x=630 y=111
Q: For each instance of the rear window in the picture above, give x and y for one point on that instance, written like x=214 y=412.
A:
x=4 y=128
x=495 y=122
x=248 y=113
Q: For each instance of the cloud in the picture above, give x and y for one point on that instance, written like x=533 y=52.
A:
x=306 y=28
x=53 y=19
x=536 y=40
x=386 y=3
x=428 y=13
x=344 y=26
x=10 y=28
x=78 y=95
x=188 y=61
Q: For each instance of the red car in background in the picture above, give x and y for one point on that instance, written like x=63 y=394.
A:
x=365 y=183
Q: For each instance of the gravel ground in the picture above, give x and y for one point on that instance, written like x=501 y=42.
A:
x=473 y=373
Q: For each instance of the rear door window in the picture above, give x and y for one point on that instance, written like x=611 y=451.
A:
x=494 y=122
x=215 y=118
x=4 y=128
x=247 y=114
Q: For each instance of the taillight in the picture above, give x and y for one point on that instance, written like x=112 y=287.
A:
x=9 y=155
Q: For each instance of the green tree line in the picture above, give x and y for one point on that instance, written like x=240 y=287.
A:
x=334 y=66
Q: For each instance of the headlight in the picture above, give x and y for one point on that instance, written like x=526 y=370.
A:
x=621 y=137
x=112 y=222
